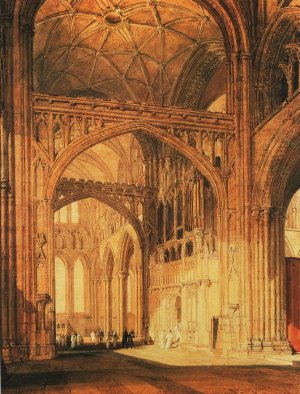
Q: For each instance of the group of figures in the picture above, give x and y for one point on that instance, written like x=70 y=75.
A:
x=97 y=336
x=69 y=340
x=111 y=338
x=169 y=338
x=127 y=339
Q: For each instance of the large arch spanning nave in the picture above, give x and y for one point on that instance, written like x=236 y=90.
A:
x=149 y=169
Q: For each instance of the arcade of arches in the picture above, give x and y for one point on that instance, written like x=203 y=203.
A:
x=149 y=172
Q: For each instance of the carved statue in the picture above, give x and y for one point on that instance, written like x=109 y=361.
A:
x=41 y=240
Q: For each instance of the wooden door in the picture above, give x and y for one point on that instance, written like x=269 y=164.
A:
x=293 y=301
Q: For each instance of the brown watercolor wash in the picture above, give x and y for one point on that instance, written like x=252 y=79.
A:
x=150 y=204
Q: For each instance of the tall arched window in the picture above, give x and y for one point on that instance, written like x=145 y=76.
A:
x=74 y=212
x=78 y=287
x=60 y=285
x=63 y=213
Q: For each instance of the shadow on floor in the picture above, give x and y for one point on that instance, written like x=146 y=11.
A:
x=110 y=371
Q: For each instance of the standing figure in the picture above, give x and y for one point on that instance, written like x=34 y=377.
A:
x=73 y=340
x=98 y=337
x=107 y=338
x=93 y=337
x=115 y=338
x=130 y=338
x=169 y=338
x=162 y=339
x=79 y=340
x=68 y=340
x=101 y=335
x=177 y=333
x=124 y=338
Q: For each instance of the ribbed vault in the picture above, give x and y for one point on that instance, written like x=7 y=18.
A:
x=126 y=50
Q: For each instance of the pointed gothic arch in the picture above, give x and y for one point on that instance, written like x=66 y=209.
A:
x=111 y=202
x=85 y=142
x=126 y=252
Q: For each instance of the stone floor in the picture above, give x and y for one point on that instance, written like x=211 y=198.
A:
x=149 y=370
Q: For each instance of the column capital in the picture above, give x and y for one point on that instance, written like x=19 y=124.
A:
x=26 y=27
x=6 y=21
x=44 y=202
x=255 y=212
x=122 y=275
x=4 y=184
x=235 y=56
x=42 y=298
x=246 y=56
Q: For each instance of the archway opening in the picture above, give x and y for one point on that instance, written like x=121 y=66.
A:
x=98 y=276
x=292 y=253
x=169 y=210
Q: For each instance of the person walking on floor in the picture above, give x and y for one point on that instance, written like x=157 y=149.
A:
x=124 y=339
x=115 y=338
x=130 y=338
x=107 y=338
x=73 y=340
x=170 y=338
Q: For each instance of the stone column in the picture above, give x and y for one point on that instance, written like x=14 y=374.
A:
x=269 y=326
x=71 y=290
x=139 y=299
x=108 y=311
x=229 y=90
x=256 y=277
x=122 y=281
x=245 y=267
x=148 y=180
x=202 y=315
x=93 y=302
x=184 y=323
x=7 y=209
x=41 y=328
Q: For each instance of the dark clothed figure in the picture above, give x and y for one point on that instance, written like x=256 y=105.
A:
x=101 y=334
x=68 y=340
x=125 y=338
x=130 y=339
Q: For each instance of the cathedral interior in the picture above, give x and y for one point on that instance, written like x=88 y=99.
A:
x=150 y=173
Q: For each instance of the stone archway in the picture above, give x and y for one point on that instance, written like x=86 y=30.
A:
x=201 y=162
x=112 y=282
x=85 y=142
x=277 y=178
x=113 y=203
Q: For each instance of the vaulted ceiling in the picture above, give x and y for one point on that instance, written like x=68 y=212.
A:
x=115 y=160
x=144 y=51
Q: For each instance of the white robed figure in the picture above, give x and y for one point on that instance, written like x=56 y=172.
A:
x=93 y=337
x=170 y=338
x=107 y=340
x=79 y=340
x=73 y=340
x=162 y=339
x=177 y=333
